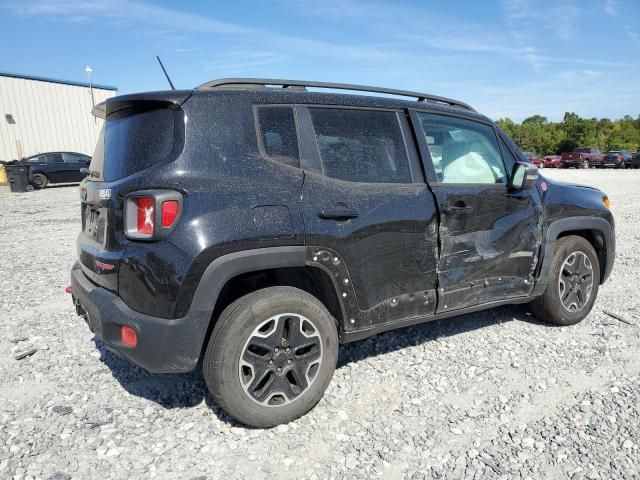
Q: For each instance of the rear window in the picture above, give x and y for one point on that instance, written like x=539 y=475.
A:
x=132 y=140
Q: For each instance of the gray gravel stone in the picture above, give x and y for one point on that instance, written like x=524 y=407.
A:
x=492 y=395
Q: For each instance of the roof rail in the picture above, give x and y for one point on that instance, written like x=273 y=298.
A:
x=249 y=83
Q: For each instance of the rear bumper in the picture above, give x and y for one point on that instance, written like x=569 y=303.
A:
x=613 y=163
x=164 y=345
x=572 y=163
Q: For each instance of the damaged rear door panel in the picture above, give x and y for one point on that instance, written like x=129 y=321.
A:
x=370 y=219
x=489 y=235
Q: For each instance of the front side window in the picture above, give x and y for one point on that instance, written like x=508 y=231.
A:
x=463 y=151
x=277 y=135
x=361 y=145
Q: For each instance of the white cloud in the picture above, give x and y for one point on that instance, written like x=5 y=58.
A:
x=611 y=7
x=527 y=20
x=396 y=45
x=634 y=37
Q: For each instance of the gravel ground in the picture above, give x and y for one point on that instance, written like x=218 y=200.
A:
x=489 y=395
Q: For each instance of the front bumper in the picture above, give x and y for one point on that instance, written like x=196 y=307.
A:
x=164 y=345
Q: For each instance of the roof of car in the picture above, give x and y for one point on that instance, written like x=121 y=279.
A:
x=48 y=153
x=298 y=95
x=302 y=85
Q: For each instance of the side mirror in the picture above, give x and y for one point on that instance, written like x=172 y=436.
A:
x=523 y=175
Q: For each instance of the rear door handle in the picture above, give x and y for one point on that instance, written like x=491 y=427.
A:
x=340 y=213
x=457 y=209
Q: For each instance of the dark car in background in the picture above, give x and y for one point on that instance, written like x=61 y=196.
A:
x=56 y=167
x=627 y=156
x=635 y=160
x=613 y=159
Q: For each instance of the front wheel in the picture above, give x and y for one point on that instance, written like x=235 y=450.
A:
x=585 y=164
x=271 y=356
x=572 y=286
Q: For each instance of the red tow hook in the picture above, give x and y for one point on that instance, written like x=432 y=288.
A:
x=69 y=290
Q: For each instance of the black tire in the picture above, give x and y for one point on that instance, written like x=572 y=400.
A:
x=230 y=344
x=585 y=164
x=549 y=307
x=39 y=180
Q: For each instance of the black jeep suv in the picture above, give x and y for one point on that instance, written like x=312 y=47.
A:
x=258 y=225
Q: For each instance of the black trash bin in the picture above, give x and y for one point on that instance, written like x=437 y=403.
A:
x=18 y=178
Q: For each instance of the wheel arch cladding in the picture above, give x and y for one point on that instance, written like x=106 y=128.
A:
x=237 y=274
x=596 y=230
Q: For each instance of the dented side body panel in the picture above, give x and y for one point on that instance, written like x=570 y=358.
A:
x=490 y=253
x=385 y=259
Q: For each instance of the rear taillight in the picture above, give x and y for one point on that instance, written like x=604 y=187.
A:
x=145 y=224
x=128 y=336
x=151 y=215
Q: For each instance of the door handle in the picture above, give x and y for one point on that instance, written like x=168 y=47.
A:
x=457 y=209
x=339 y=213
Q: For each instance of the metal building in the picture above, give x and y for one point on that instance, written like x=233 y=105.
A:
x=43 y=114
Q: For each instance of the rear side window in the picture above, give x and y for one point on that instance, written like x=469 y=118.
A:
x=133 y=140
x=54 y=158
x=277 y=137
x=73 y=158
x=361 y=145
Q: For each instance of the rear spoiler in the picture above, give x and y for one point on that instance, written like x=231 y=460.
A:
x=148 y=100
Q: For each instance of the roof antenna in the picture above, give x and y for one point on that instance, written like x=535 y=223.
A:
x=165 y=73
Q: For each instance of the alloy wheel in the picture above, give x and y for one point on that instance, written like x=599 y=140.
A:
x=575 y=282
x=280 y=360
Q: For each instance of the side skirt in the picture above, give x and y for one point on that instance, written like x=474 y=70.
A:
x=407 y=322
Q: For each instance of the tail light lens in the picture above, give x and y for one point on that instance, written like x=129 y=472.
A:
x=170 y=211
x=128 y=336
x=145 y=224
x=151 y=215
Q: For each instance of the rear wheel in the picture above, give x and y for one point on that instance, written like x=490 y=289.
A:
x=271 y=356
x=585 y=164
x=573 y=283
x=39 y=180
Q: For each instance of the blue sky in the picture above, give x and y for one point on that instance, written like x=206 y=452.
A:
x=509 y=58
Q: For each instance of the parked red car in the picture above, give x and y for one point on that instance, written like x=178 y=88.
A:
x=583 y=158
x=552 y=161
x=533 y=158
